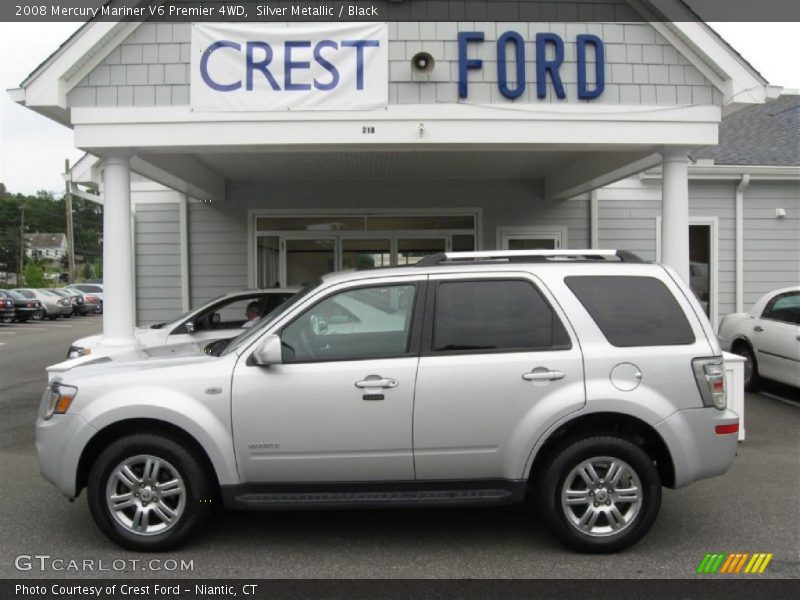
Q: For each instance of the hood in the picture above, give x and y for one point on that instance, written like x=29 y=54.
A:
x=143 y=334
x=136 y=359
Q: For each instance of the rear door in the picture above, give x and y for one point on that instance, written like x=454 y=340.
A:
x=496 y=352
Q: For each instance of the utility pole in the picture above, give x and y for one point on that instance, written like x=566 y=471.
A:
x=68 y=208
x=21 y=243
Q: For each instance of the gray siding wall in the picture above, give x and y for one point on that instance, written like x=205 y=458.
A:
x=158 y=266
x=151 y=67
x=627 y=220
x=771 y=245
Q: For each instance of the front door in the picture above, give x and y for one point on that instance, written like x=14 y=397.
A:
x=495 y=355
x=776 y=337
x=339 y=408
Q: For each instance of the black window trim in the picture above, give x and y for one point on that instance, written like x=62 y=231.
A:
x=430 y=311
x=414 y=333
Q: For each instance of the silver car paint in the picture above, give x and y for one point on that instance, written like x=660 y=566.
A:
x=667 y=397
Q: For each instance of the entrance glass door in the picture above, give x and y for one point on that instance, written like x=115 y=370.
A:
x=366 y=253
x=412 y=250
x=700 y=264
x=309 y=259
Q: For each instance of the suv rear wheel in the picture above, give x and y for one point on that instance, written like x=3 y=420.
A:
x=148 y=492
x=600 y=494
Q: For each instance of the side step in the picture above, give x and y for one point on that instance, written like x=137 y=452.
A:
x=260 y=497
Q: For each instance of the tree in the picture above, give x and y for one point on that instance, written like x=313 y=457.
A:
x=33 y=275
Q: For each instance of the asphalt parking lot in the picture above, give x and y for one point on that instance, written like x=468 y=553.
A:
x=753 y=508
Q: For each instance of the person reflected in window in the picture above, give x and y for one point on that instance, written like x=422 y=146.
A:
x=252 y=313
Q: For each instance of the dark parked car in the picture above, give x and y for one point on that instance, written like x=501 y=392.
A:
x=24 y=308
x=7 y=310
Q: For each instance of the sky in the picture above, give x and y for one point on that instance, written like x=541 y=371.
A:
x=33 y=148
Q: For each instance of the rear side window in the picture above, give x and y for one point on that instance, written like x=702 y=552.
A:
x=633 y=311
x=784 y=308
x=493 y=316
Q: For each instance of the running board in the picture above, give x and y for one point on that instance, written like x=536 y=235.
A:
x=378 y=495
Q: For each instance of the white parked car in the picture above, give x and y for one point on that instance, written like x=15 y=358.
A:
x=222 y=318
x=768 y=337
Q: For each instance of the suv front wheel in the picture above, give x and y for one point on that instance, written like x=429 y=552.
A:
x=148 y=492
x=600 y=494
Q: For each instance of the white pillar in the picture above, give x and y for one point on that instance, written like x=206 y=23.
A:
x=675 y=210
x=118 y=302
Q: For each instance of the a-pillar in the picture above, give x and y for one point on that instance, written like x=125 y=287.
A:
x=118 y=291
x=675 y=210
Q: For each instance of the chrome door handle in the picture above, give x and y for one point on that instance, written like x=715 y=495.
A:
x=758 y=328
x=376 y=381
x=543 y=375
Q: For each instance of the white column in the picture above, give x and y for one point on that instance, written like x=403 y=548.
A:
x=675 y=210
x=118 y=302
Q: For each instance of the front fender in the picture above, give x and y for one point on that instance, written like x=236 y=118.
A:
x=208 y=423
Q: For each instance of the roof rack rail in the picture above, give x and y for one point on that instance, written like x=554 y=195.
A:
x=526 y=256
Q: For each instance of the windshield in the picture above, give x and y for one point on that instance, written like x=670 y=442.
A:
x=180 y=318
x=92 y=289
x=60 y=293
x=48 y=292
x=14 y=295
x=249 y=334
x=26 y=293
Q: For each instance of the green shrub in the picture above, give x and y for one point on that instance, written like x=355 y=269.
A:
x=33 y=276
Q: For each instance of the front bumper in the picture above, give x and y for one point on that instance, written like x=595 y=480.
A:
x=7 y=313
x=60 y=441
x=697 y=450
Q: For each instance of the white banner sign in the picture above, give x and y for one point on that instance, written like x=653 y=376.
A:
x=289 y=66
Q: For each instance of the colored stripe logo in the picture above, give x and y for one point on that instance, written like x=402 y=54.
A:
x=734 y=563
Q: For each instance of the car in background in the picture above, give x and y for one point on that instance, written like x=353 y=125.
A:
x=768 y=337
x=221 y=318
x=24 y=308
x=95 y=289
x=75 y=298
x=7 y=310
x=53 y=305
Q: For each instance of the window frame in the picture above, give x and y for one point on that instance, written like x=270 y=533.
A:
x=430 y=315
x=414 y=332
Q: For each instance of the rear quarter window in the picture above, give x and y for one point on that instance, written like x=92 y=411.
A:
x=633 y=311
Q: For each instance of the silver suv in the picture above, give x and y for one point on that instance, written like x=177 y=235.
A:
x=578 y=381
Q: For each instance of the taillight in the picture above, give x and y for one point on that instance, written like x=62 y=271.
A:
x=724 y=429
x=710 y=376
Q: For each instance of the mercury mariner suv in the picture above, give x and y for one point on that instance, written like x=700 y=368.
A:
x=580 y=382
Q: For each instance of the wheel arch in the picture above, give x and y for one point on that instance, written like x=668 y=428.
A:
x=114 y=431
x=622 y=425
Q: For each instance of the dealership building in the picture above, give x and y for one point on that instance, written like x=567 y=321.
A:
x=233 y=155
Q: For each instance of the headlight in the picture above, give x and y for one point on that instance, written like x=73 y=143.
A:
x=59 y=399
x=76 y=351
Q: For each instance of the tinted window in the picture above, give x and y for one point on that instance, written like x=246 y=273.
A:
x=91 y=289
x=633 y=311
x=785 y=308
x=357 y=324
x=494 y=315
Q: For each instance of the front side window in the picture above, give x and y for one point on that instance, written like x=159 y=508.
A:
x=372 y=322
x=784 y=308
x=495 y=316
x=632 y=311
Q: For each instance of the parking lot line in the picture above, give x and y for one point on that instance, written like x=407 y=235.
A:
x=780 y=399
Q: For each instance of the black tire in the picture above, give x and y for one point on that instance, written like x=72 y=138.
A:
x=199 y=491
x=560 y=466
x=69 y=316
x=753 y=384
x=21 y=319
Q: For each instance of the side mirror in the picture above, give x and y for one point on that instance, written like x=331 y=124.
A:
x=189 y=326
x=269 y=352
